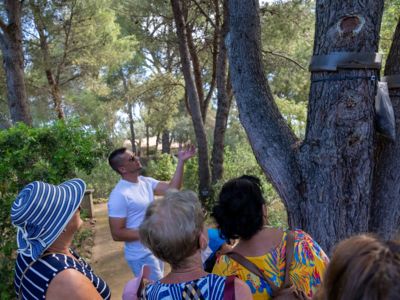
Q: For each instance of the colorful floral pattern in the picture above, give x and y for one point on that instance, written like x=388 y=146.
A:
x=306 y=270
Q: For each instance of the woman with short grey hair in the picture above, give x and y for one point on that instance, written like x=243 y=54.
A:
x=173 y=229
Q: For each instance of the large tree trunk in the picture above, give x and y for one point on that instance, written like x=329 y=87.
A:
x=269 y=135
x=223 y=96
x=194 y=104
x=326 y=182
x=337 y=156
x=13 y=62
x=385 y=209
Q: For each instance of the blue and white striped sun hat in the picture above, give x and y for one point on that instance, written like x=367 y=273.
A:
x=41 y=211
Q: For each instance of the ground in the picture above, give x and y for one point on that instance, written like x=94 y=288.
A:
x=108 y=256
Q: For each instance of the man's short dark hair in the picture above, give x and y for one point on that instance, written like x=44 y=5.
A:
x=114 y=158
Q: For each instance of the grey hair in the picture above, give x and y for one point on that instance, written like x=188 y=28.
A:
x=172 y=226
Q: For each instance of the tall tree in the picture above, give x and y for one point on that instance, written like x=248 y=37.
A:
x=385 y=210
x=13 y=61
x=224 y=90
x=193 y=99
x=74 y=40
x=325 y=181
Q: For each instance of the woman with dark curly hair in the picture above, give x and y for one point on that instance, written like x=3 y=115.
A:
x=241 y=214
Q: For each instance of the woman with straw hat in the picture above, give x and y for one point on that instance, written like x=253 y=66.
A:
x=47 y=217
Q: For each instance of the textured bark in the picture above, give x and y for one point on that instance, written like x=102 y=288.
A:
x=13 y=62
x=326 y=182
x=194 y=104
x=165 y=142
x=132 y=126
x=130 y=111
x=337 y=153
x=385 y=210
x=147 y=141
x=270 y=137
x=223 y=96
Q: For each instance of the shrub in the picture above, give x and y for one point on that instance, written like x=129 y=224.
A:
x=52 y=153
x=161 y=167
x=8 y=245
x=102 y=179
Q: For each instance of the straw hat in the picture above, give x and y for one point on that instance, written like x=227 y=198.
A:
x=41 y=211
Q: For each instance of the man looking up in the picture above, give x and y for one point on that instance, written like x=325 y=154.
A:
x=128 y=202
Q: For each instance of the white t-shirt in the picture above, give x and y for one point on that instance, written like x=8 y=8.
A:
x=130 y=200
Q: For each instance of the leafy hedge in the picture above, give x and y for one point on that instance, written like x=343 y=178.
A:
x=51 y=153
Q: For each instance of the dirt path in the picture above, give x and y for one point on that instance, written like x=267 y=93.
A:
x=108 y=256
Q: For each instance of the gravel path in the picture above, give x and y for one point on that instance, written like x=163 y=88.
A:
x=108 y=256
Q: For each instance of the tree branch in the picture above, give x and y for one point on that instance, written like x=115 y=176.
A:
x=204 y=13
x=285 y=57
x=273 y=145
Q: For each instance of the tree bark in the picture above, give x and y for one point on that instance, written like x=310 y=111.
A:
x=132 y=126
x=271 y=139
x=165 y=142
x=385 y=207
x=337 y=156
x=147 y=141
x=326 y=182
x=224 y=99
x=130 y=110
x=194 y=103
x=13 y=62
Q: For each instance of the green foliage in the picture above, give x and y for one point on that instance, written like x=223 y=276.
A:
x=161 y=167
x=389 y=23
x=81 y=236
x=7 y=248
x=287 y=37
x=191 y=175
x=295 y=114
x=50 y=153
x=241 y=161
x=102 y=179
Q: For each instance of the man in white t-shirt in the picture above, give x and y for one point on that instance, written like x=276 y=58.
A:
x=128 y=202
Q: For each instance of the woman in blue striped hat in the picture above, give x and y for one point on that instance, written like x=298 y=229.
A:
x=47 y=217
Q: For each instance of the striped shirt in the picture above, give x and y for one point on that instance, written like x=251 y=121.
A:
x=40 y=273
x=210 y=287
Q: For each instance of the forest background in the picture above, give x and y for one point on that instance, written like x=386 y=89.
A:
x=99 y=72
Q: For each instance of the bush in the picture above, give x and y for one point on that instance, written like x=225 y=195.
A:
x=8 y=245
x=52 y=153
x=102 y=179
x=162 y=167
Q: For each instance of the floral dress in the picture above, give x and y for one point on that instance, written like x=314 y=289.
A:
x=306 y=270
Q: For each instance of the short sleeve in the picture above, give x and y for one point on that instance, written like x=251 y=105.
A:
x=117 y=206
x=151 y=181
